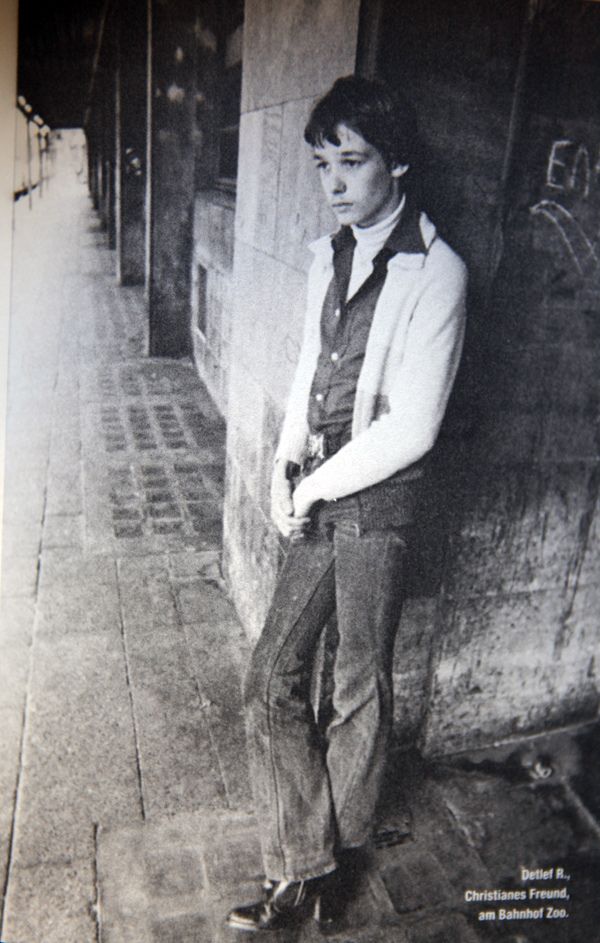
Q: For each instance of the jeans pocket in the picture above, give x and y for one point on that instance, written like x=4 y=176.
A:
x=347 y=527
x=398 y=535
x=403 y=535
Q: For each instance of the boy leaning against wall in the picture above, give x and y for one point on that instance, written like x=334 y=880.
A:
x=382 y=342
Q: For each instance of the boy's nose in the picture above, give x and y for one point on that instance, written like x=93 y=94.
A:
x=338 y=185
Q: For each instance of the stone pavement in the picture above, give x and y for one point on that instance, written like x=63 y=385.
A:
x=125 y=810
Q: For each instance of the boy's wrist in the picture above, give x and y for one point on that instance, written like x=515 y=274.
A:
x=285 y=468
x=308 y=489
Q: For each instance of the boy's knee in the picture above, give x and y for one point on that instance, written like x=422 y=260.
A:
x=255 y=687
x=257 y=684
x=267 y=691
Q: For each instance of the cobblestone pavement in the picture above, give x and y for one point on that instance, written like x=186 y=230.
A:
x=125 y=812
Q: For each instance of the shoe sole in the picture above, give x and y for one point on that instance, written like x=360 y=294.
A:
x=244 y=927
x=288 y=923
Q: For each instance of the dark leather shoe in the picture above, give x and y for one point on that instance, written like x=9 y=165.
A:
x=331 y=907
x=285 y=904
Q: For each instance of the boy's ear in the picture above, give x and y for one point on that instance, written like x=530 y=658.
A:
x=398 y=170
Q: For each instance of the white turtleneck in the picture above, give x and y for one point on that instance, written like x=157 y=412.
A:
x=369 y=241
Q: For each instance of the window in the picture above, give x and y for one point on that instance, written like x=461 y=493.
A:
x=218 y=94
x=230 y=35
x=228 y=130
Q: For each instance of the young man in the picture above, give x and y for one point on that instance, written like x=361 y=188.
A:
x=383 y=337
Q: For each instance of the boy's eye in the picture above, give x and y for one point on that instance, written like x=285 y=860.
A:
x=350 y=162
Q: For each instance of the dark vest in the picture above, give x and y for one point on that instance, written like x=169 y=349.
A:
x=345 y=326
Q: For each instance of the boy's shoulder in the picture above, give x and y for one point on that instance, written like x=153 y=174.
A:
x=444 y=264
x=437 y=253
x=322 y=248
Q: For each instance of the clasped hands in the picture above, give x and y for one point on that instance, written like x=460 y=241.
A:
x=290 y=506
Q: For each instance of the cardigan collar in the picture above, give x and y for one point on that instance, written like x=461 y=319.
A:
x=407 y=245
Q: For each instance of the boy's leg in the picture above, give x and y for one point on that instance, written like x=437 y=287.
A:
x=369 y=591
x=287 y=761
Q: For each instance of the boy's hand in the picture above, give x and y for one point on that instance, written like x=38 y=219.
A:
x=282 y=504
x=303 y=499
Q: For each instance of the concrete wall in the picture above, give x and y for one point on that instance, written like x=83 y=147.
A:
x=519 y=619
x=516 y=639
x=293 y=51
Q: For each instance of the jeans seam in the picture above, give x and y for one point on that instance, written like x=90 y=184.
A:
x=269 y=724
x=350 y=785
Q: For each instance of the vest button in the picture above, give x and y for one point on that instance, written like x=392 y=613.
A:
x=335 y=357
x=319 y=397
x=337 y=313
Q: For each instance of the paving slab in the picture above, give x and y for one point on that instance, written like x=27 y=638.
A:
x=72 y=607
x=145 y=592
x=414 y=879
x=413 y=819
x=142 y=569
x=448 y=928
x=16 y=628
x=512 y=825
x=154 y=881
x=11 y=729
x=21 y=539
x=190 y=564
x=63 y=530
x=52 y=902
x=19 y=575
x=229 y=738
x=377 y=934
x=438 y=830
x=220 y=653
x=65 y=492
x=177 y=756
x=79 y=759
x=202 y=602
x=72 y=567
x=65 y=443
x=29 y=431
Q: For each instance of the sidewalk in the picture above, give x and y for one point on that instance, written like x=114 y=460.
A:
x=125 y=809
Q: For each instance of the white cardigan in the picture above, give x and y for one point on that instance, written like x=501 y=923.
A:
x=410 y=363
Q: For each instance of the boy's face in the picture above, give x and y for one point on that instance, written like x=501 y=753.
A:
x=360 y=188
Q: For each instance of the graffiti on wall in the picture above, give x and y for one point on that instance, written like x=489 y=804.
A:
x=573 y=176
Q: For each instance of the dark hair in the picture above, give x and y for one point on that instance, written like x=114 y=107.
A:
x=379 y=114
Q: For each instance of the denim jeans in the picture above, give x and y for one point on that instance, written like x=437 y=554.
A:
x=315 y=794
